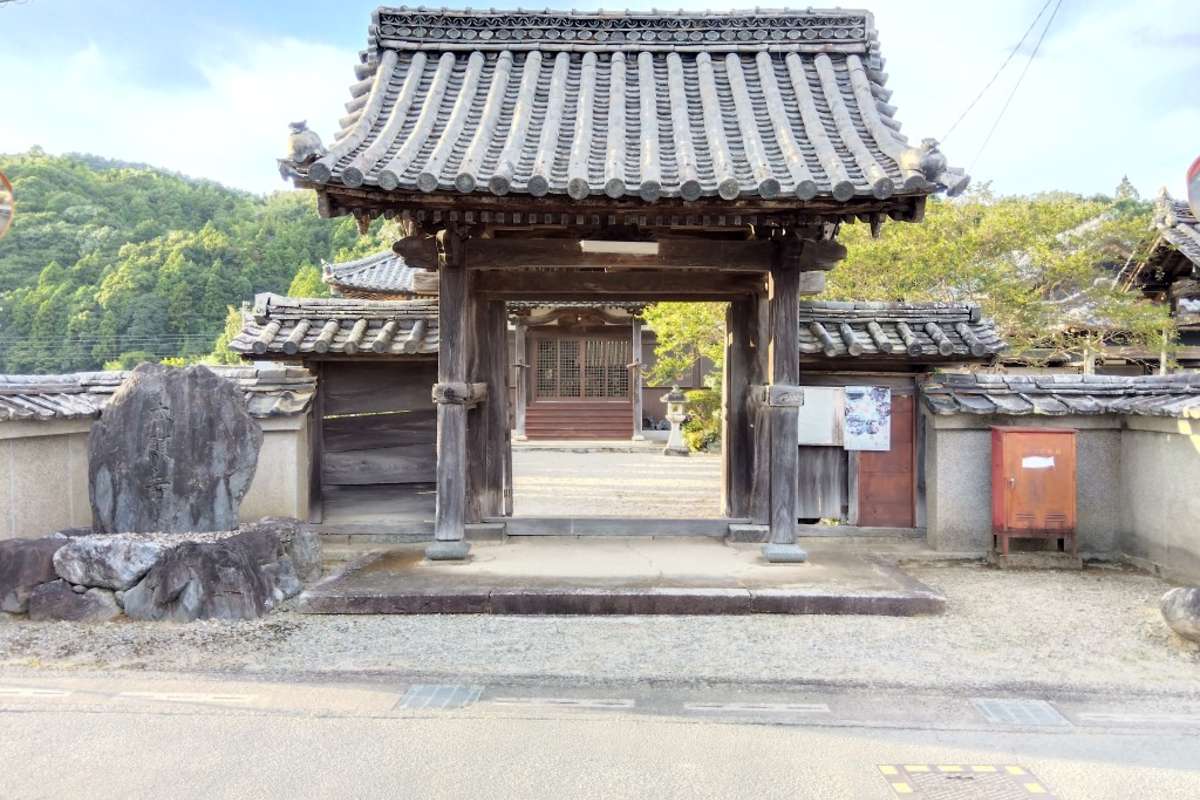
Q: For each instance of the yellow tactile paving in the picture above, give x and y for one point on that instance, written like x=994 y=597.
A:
x=969 y=781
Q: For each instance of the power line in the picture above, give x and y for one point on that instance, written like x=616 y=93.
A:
x=1010 y=57
x=1017 y=85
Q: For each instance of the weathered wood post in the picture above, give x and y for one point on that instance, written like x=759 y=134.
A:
x=784 y=356
x=451 y=394
x=478 y=438
x=521 y=376
x=498 y=439
x=799 y=269
x=635 y=377
x=737 y=435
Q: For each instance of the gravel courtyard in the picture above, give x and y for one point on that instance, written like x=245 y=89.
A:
x=560 y=483
x=1059 y=632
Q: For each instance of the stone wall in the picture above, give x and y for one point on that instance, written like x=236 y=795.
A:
x=44 y=475
x=1136 y=486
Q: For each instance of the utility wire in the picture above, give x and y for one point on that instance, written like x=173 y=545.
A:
x=1011 y=55
x=1037 y=46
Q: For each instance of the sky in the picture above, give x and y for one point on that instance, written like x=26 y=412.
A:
x=207 y=87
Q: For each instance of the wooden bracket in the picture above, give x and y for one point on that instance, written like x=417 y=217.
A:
x=461 y=394
x=778 y=395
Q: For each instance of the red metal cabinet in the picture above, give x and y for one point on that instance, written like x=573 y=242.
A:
x=1033 y=484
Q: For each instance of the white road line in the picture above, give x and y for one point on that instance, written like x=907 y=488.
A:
x=1165 y=719
x=741 y=708
x=189 y=697
x=571 y=702
x=19 y=691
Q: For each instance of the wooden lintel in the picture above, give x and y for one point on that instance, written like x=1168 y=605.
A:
x=653 y=285
x=726 y=256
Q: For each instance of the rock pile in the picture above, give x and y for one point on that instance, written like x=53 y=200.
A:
x=238 y=574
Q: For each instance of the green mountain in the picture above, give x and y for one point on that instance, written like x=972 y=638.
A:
x=112 y=261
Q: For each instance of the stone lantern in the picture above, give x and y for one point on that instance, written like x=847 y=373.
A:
x=676 y=402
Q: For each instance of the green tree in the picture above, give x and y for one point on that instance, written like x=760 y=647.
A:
x=308 y=283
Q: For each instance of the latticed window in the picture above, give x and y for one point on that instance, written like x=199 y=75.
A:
x=571 y=369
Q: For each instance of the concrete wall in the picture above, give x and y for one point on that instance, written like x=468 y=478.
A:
x=1137 y=480
x=281 y=482
x=44 y=475
x=958 y=480
x=1160 y=495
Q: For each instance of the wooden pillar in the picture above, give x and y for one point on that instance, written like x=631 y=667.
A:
x=521 y=376
x=759 y=329
x=453 y=323
x=495 y=375
x=478 y=438
x=784 y=355
x=737 y=435
x=635 y=377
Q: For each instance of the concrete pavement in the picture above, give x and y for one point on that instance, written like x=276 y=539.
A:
x=130 y=735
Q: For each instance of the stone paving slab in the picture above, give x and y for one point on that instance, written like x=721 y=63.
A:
x=566 y=575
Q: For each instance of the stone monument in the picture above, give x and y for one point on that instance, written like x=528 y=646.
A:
x=173 y=451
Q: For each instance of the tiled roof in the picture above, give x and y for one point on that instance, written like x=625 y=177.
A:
x=280 y=325
x=382 y=273
x=270 y=390
x=1178 y=226
x=1058 y=395
x=901 y=331
x=766 y=104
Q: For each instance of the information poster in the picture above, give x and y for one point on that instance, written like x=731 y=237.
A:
x=868 y=418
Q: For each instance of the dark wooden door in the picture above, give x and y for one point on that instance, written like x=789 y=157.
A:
x=886 y=478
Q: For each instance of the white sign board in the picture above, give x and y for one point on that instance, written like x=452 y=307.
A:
x=868 y=418
x=821 y=416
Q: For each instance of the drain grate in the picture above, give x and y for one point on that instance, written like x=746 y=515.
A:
x=963 y=782
x=439 y=697
x=1037 y=713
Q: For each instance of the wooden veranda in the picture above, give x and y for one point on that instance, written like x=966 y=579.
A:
x=622 y=157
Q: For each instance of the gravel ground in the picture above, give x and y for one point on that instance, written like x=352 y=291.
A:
x=644 y=484
x=1098 y=630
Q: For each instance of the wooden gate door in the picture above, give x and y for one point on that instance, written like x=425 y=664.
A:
x=886 y=479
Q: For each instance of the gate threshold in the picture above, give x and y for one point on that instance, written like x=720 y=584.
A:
x=615 y=526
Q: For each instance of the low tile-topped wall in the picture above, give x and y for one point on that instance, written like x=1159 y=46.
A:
x=1136 y=486
x=44 y=475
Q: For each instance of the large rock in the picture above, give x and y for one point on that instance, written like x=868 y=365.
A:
x=58 y=600
x=113 y=561
x=174 y=450
x=24 y=565
x=301 y=543
x=217 y=580
x=1181 y=610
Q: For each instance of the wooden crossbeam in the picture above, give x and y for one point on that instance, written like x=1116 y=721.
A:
x=623 y=284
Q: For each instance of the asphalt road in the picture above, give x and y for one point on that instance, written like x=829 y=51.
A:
x=136 y=735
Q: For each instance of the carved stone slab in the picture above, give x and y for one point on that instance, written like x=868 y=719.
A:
x=174 y=451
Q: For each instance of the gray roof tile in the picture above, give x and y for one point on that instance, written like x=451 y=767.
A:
x=900 y=331
x=1178 y=226
x=280 y=325
x=767 y=104
x=1175 y=395
x=270 y=390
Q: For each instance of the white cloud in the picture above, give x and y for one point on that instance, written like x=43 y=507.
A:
x=1115 y=90
x=229 y=130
